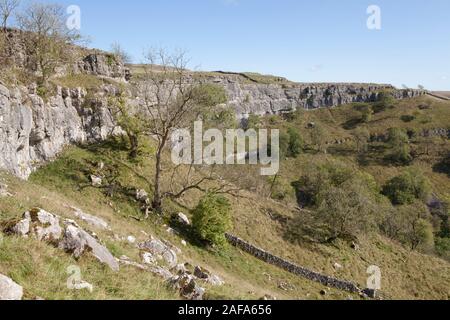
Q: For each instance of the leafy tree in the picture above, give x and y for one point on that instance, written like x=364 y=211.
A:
x=362 y=136
x=318 y=137
x=212 y=219
x=407 y=188
x=132 y=124
x=399 y=144
x=173 y=99
x=384 y=101
x=345 y=211
x=291 y=144
x=366 y=112
x=410 y=224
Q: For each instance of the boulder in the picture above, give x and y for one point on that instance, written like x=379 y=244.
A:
x=9 y=290
x=159 y=249
x=183 y=219
x=142 y=196
x=90 y=219
x=77 y=241
x=205 y=275
x=4 y=190
x=148 y=258
x=188 y=287
x=40 y=224
x=131 y=239
x=96 y=181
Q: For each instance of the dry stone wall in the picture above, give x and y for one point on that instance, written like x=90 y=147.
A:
x=291 y=267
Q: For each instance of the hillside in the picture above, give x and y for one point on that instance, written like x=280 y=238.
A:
x=364 y=181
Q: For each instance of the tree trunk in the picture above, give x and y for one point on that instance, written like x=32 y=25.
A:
x=157 y=199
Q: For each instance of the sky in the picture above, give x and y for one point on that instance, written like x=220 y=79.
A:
x=304 y=41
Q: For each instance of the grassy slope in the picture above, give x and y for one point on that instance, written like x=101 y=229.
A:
x=405 y=274
x=41 y=269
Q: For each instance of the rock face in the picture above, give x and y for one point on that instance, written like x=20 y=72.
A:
x=34 y=131
x=9 y=290
x=248 y=97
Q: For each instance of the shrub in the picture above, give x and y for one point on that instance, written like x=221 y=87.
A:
x=399 y=145
x=384 y=100
x=443 y=247
x=209 y=95
x=407 y=188
x=291 y=144
x=212 y=219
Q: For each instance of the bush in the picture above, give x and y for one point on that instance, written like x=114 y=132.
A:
x=209 y=95
x=407 y=188
x=291 y=144
x=384 y=100
x=212 y=219
x=443 y=247
x=410 y=224
x=399 y=145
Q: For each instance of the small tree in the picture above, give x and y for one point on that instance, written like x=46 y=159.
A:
x=173 y=99
x=362 y=136
x=131 y=123
x=399 y=145
x=212 y=218
x=119 y=52
x=318 y=138
x=407 y=188
x=48 y=38
x=7 y=7
x=345 y=211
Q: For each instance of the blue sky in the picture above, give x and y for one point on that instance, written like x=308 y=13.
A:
x=306 y=41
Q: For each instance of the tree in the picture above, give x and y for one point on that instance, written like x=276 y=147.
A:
x=48 y=38
x=291 y=144
x=172 y=100
x=410 y=224
x=7 y=7
x=399 y=145
x=211 y=218
x=119 y=52
x=345 y=211
x=318 y=138
x=407 y=188
x=131 y=123
x=362 y=136
x=366 y=112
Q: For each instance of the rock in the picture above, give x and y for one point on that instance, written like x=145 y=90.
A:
x=4 y=190
x=9 y=290
x=204 y=274
x=323 y=292
x=77 y=241
x=215 y=280
x=148 y=258
x=128 y=262
x=96 y=181
x=201 y=273
x=90 y=219
x=268 y=297
x=131 y=239
x=183 y=219
x=41 y=224
x=181 y=269
x=370 y=293
x=161 y=272
x=354 y=246
x=188 y=287
x=337 y=266
x=285 y=286
x=184 y=243
x=159 y=249
x=142 y=196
